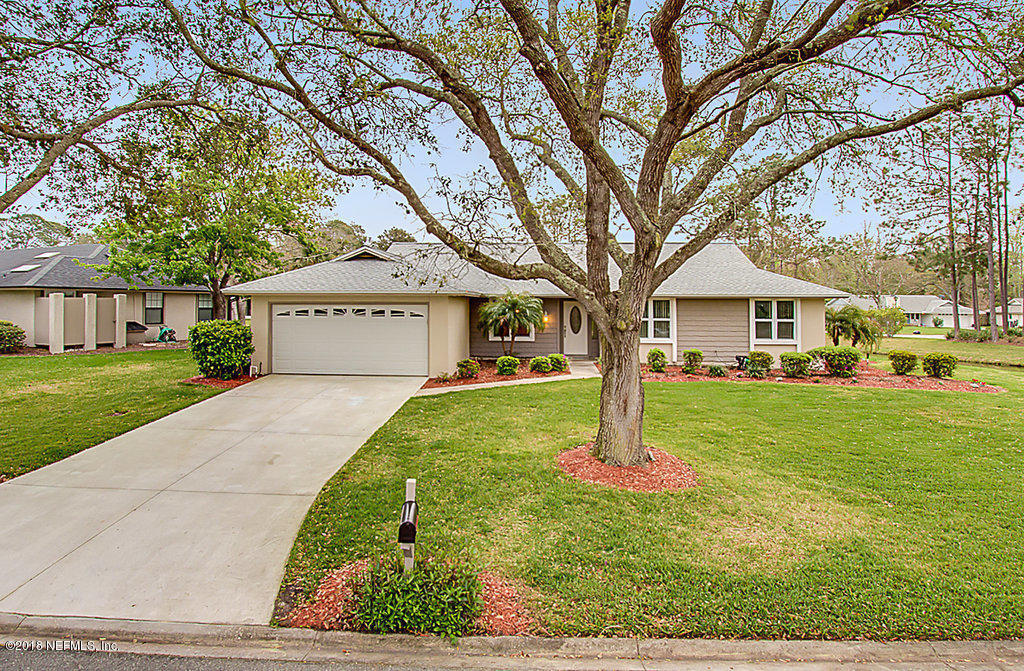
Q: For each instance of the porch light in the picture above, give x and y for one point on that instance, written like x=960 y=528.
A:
x=547 y=318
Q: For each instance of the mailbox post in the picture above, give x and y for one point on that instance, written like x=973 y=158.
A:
x=407 y=526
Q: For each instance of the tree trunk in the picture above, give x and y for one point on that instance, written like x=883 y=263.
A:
x=954 y=277
x=993 y=322
x=219 y=302
x=620 y=420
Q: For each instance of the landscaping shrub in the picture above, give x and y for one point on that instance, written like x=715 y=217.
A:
x=1015 y=332
x=656 y=360
x=714 y=370
x=540 y=364
x=692 y=359
x=970 y=335
x=558 y=362
x=439 y=597
x=840 y=361
x=468 y=368
x=902 y=362
x=937 y=364
x=937 y=322
x=507 y=365
x=759 y=363
x=12 y=337
x=221 y=348
x=818 y=352
x=444 y=376
x=795 y=364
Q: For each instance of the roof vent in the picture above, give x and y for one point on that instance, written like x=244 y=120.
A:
x=25 y=268
x=47 y=255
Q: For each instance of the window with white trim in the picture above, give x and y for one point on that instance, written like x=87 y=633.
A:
x=775 y=320
x=522 y=335
x=656 y=324
x=204 y=307
x=154 y=312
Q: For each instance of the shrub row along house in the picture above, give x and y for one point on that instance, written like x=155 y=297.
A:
x=54 y=290
x=413 y=310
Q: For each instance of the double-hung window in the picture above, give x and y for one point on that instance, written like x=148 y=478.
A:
x=656 y=324
x=154 y=313
x=775 y=320
x=204 y=308
x=523 y=334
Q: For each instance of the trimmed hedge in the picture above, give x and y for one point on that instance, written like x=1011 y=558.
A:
x=759 y=363
x=540 y=364
x=839 y=361
x=558 y=362
x=715 y=370
x=467 y=368
x=221 y=348
x=12 y=337
x=657 y=360
x=795 y=364
x=902 y=362
x=692 y=359
x=937 y=364
x=507 y=365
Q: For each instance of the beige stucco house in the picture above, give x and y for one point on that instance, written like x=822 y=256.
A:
x=413 y=311
x=47 y=290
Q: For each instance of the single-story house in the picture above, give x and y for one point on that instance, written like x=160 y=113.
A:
x=31 y=279
x=413 y=310
x=921 y=309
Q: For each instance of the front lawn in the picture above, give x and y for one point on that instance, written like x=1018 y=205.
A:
x=55 y=406
x=925 y=330
x=1002 y=354
x=823 y=512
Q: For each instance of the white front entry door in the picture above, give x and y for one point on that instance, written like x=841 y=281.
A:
x=574 y=328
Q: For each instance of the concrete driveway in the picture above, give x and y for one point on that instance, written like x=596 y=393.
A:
x=189 y=518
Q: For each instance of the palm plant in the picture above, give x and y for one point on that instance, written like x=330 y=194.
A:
x=855 y=325
x=509 y=314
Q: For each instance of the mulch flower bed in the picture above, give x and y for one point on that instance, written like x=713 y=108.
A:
x=867 y=376
x=102 y=349
x=333 y=604
x=665 y=472
x=489 y=374
x=219 y=384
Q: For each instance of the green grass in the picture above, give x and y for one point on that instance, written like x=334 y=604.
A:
x=925 y=330
x=1000 y=354
x=55 y=406
x=823 y=512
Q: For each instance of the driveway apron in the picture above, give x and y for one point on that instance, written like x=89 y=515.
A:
x=189 y=518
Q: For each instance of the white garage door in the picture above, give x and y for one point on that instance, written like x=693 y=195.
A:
x=384 y=339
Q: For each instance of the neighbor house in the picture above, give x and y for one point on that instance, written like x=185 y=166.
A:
x=921 y=309
x=38 y=282
x=413 y=310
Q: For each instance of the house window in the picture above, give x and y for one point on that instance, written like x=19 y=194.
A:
x=656 y=324
x=774 y=320
x=524 y=334
x=154 y=313
x=204 y=307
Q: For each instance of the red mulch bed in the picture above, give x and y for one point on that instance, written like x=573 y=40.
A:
x=333 y=606
x=219 y=384
x=489 y=374
x=867 y=376
x=666 y=472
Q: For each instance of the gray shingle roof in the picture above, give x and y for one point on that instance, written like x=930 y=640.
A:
x=720 y=270
x=64 y=267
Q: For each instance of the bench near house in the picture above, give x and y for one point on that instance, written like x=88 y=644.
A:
x=413 y=310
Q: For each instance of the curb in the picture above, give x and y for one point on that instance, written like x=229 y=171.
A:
x=266 y=642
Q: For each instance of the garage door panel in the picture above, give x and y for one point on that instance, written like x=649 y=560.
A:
x=372 y=339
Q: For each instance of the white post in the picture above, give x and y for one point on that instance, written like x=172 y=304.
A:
x=90 y=322
x=120 y=317
x=409 y=549
x=56 y=323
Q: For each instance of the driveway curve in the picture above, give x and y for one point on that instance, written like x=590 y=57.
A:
x=189 y=518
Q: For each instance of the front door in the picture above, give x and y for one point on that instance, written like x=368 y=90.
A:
x=574 y=328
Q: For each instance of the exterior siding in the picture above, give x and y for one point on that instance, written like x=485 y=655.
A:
x=546 y=342
x=718 y=327
x=19 y=306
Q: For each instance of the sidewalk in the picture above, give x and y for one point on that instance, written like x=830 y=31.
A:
x=259 y=642
x=578 y=370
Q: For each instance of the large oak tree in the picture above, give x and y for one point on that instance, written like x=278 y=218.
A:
x=638 y=117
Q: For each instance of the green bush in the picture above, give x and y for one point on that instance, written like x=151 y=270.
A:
x=715 y=370
x=692 y=359
x=221 y=348
x=795 y=364
x=970 y=335
x=902 y=362
x=558 y=362
x=937 y=322
x=439 y=597
x=817 y=352
x=656 y=360
x=540 y=364
x=937 y=364
x=12 y=337
x=444 y=376
x=467 y=368
x=507 y=365
x=759 y=363
x=839 y=361
x=1015 y=332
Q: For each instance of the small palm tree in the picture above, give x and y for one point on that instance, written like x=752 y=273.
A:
x=857 y=325
x=509 y=313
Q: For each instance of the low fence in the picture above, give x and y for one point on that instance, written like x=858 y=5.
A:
x=86 y=322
